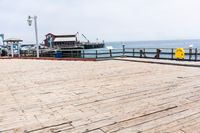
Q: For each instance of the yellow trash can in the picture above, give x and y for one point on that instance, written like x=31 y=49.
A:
x=180 y=53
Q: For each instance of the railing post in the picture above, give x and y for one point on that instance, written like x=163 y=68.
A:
x=141 y=53
x=72 y=53
x=190 y=53
x=96 y=54
x=19 y=52
x=196 y=53
x=40 y=54
x=133 y=52
x=172 y=54
x=123 y=50
x=144 y=53
x=83 y=53
x=158 y=51
x=110 y=53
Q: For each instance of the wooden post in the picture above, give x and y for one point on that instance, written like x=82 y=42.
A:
x=110 y=53
x=172 y=54
x=141 y=53
x=123 y=50
x=190 y=53
x=41 y=54
x=144 y=53
x=96 y=54
x=158 y=51
x=12 y=50
x=133 y=52
x=196 y=53
x=72 y=53
x=83 y=53
x=19 y=52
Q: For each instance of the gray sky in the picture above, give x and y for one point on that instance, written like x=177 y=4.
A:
x=109 y=20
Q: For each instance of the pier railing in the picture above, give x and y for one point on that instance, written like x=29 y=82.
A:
x=153 y=53
x=162 y=53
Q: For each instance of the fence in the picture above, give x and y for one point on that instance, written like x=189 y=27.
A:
x=163 y=53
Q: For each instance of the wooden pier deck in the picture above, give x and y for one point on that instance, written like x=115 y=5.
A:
x=38 y=96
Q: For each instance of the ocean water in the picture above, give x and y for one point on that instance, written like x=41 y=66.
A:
x=156 y=44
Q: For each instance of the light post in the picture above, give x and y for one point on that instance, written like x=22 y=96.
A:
x=36 y=32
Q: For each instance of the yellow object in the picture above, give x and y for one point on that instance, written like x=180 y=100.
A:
x=180 y=53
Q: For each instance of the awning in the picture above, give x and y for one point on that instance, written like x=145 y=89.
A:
x=13 y=40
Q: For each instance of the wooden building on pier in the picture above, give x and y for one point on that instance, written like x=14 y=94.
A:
x=69 y=42
x=61 y=41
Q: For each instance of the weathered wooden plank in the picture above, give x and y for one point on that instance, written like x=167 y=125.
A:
x=107 y=96
x=176 y=125
x=148 y=118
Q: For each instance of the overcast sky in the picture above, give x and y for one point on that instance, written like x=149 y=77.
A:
x=109 y=20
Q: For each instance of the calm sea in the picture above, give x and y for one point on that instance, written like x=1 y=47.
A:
x=156 y=44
